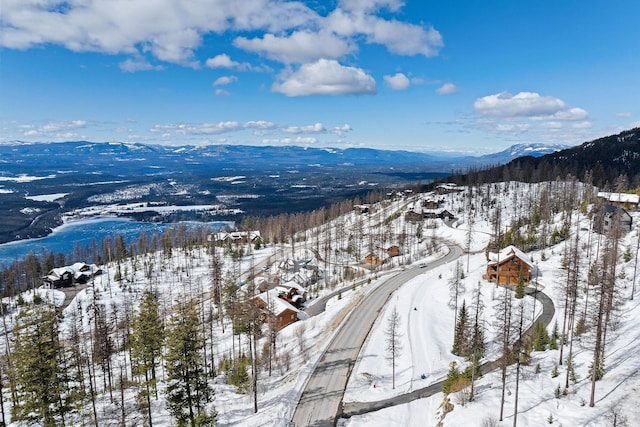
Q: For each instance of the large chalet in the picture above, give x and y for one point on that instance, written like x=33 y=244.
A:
x=70 y=275
x=508 y=266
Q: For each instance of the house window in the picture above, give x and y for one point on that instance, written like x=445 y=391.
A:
x=280 y=318
x=292 y=316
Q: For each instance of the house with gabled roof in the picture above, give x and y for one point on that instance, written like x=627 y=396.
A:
x=448 y=187
x=621 y=200
x=414 y=215
x=437 y=213
x=606 y=218
x=508 y=266
x=432 y=202
x=79 y=272
x=362 y=209
x=236 y=237
x=273 y=305
x=292 y=292
x=373 y=258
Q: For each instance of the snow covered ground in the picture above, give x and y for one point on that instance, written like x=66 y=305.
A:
x=428 y=338
x=427 y=326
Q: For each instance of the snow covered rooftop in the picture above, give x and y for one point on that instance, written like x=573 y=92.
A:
x=274 y=303
x=620 y=197
x=507 y=253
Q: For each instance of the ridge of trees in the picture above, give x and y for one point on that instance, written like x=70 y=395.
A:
x=599 y=162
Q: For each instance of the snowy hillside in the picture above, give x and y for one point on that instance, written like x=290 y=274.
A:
x=542 y=216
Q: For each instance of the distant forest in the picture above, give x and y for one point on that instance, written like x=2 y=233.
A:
x=610 y=163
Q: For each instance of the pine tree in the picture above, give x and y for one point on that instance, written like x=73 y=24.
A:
x=540 y=337
x=453 y=376
x=38 y=371
x=519 y=292
x=555 y=336
x=146 y=348
x=188 y=392
x=460 y=346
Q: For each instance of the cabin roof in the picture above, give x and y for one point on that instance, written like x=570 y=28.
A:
x=274 y=303
x=508 y=253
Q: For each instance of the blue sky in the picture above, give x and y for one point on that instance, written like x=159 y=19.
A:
x=417 y=75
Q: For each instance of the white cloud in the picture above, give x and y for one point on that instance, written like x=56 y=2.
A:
x=315 y=128
x=225 y=80
x=63 y=125
x=528 y=116
x=623 y=115
x=306 y=140
x=286 y=31
x=398 y=37
x=406 y=39
x=224 y=61
x=326 y=77
x=222 y=92
x=287 y=141
x=582 y=125
x=54 y=130
x=133 y=65
x=527 y=105
x=197 y=129
x=260 y=124
x=341 y=130
x=397 y=82
x=552 y=125
x=299 y=47
x=571 y=114
x=370 y=5
x=447 y=89
x=168 y=130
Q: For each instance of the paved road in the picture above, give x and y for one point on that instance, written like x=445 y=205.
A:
x=358 y=408
x=321 y=401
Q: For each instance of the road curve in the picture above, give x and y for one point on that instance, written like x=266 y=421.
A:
x=358 y=408
x=321 y=401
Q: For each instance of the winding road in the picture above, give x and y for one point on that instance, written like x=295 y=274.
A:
x=321 y=402
x=358 y=408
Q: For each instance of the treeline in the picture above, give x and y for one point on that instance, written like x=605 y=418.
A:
x=600 y=162
x=27 y=273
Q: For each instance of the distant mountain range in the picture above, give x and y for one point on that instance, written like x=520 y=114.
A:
x=134 y=158
x=41 y=182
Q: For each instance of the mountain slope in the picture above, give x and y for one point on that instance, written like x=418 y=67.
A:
x=601 y=161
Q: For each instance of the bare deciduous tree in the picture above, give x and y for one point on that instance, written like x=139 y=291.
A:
x=393 y=347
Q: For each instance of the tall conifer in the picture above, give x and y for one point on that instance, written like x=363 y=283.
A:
x=188 y=392
x=146 y=348
x=38 y=370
